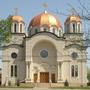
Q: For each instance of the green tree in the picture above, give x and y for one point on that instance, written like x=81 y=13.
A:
x=5 y=30
x=88 y=74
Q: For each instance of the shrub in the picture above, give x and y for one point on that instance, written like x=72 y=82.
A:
x=9 y=83
x=66 y=83
x=18 y=83
x=88 y=84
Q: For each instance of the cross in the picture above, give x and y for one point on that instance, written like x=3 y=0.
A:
x=73 y=11
x=45 y=5
x=16 y=11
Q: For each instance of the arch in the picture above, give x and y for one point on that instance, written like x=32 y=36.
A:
x=21 y=26
x=44 y=45
x=35 y=69
x=34 y=30
x=53 y=68
x=72 y=70
x=44 y=62
x=45 y=28
x=15 y=27
x=44 y=67
x=44 y=40
x=74 y=45
x=78 y=27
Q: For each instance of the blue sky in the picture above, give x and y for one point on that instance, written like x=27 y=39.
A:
x=29 y=8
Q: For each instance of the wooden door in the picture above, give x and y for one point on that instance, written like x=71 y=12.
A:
x=44 y=77
x=35 y=77
x=53 y=78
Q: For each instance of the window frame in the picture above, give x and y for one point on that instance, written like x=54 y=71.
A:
x=13 y=70
x=74 y=71
x=21 y=28
x=15 y=27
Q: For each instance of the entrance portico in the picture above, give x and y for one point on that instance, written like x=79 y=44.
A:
x=44 y=77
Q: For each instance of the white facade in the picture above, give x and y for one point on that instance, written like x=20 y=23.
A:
x=45 y=57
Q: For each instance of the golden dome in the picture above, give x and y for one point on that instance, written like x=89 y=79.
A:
x=17 y=18
x=45 y=19
x=73 y=18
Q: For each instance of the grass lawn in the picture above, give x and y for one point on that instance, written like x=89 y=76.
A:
x=20 y=86
x=70 y=88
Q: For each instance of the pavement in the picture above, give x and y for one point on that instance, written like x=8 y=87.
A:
x=36 y=88
x=25 y=89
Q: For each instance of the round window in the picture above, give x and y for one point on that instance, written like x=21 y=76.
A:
x=14 y=55
x=44 y=53
x=74 y=55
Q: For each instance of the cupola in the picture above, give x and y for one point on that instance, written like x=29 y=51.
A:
x=18 y=24
x=73 y=24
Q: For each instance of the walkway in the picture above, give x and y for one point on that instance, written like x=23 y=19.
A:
x=37 y=89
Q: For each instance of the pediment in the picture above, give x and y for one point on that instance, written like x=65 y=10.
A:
x=77 y=46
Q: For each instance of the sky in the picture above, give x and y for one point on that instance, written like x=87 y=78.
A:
x=30 y=8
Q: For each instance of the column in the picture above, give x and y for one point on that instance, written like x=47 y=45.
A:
x=29 y=70
x=38 y=79
x=26 y=70
x=50 y=77
x=58 y=72
x=7 y=74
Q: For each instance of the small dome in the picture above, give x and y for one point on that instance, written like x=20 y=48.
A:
x=45 y=18
x=73 y=18
x=17 y=18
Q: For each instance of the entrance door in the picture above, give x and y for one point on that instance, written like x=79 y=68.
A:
x=53 y=78
x=35 y=77
x=44 y=77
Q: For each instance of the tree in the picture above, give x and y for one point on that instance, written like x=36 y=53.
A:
x=5 y=30
x=88 y=74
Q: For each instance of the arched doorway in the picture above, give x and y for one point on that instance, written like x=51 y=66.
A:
x=44 y=54
x=44 y=71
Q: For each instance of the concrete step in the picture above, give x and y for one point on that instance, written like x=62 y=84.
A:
x=42 y=85
x=40 y=88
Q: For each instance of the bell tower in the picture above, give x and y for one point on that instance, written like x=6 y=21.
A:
x=18 y=25
x=17 y=29
x=73 y=28
x=73 y=25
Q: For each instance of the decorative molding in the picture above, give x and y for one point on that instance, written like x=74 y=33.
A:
x=49 y=34
x=80 y=47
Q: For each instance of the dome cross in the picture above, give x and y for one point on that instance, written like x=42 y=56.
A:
x=16 y=11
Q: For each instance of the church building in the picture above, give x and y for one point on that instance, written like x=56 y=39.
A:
x=47 y=52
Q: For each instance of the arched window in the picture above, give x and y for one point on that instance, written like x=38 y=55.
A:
x=72 y=70
x=53 y=30
x=59 y=32
x=13 y=70
x=20 y=28
x=45 y=29
x=15 y=27
x=36 y=30
x=67 y=28
x=78 y=28
x=74 y=27
x=76 y=70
